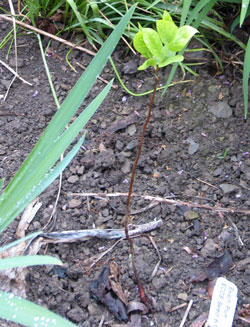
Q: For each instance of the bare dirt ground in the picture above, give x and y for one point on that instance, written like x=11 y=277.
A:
x=192 y=126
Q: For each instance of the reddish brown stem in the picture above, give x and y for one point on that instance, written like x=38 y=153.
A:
x=141 y=290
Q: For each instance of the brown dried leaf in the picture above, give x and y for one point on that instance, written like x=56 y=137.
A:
x=121 y=123
x=115 y=283
x=219 y=266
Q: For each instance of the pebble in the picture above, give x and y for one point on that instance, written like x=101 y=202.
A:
x=73 y=179
x=220 y=109
x=228 y=188
x=20 y=62
x=92 y=309
x=190 y=214
x=5 y=83
x=182 y=296
x=209 y=248
x=65 y=87
x=167 y=305
x=217 y=172
x=193 y=146
x=126 y=166
x=74 y=203
x=131 y=130
x=131 y=145
x=76 y=315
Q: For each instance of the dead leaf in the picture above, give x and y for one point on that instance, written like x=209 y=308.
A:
x=121 y=123
x=115 y=282
x=219 y=266
x=102 y=292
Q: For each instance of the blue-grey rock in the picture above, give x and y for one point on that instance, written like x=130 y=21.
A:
x=220 y=109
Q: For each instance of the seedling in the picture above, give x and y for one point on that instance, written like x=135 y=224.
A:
x=159 y=47
x=223 y=156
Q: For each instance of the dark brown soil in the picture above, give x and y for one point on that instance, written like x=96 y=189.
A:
x=180 y=158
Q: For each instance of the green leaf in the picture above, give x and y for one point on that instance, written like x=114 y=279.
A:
x=140 y=45
x=166 y=30
x=244 y=7
x=152 y=41
x=28 y=260
x=29 y=314
x=80 y=19
x=147 y=63
x=167 y=17
x=246 y=72
x=183 y=36
x=171 y=60
x=1 y=183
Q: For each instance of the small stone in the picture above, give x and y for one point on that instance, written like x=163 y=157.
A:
x=5 y=83
x=20 y=62
x=80 y=170
x=131 y=145
x=220 y=110
x=217 y=172
x=76 y=315
x=193 y=146
x=228 y=188
x=167 y=306
x=105 y=212
x=74 y=203
x=212 y=88
x=209 y=248
x=159 y=282
x=65 y=87
x=73 y=179
x=126 y=166
x=103 y=125
x=92 y=309
x=182 y=296
x=131 y=130
x=190 y=214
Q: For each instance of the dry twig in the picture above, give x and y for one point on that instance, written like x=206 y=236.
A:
x=166 y=200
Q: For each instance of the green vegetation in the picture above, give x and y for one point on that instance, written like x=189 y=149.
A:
x=159 y=47
x=206 y=20
x=41 y=168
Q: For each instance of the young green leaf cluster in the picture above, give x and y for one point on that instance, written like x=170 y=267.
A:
x=160 y=46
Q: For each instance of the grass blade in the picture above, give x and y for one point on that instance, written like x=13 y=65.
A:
x=10 y=245
x=244 y=7
x=28 y=260
x=186 y=6
x=29 y=314
x=246 y=72
x=14 y=192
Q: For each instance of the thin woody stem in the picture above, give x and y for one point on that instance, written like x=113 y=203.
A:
x=141 y=290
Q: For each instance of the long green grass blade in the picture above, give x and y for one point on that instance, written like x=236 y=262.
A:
x=186 y=6
x=244 y=7
x=53 y=134
x=29 y=314
x=28 y=260
x=246 y=72
x=80 y=19
x=10 y=245
x=195 y=12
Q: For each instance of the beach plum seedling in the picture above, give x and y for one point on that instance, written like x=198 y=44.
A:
x=160 y=46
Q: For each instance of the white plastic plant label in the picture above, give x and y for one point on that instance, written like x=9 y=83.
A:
x=223 y=304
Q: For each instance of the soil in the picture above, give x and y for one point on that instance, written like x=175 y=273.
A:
x=196 y=150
